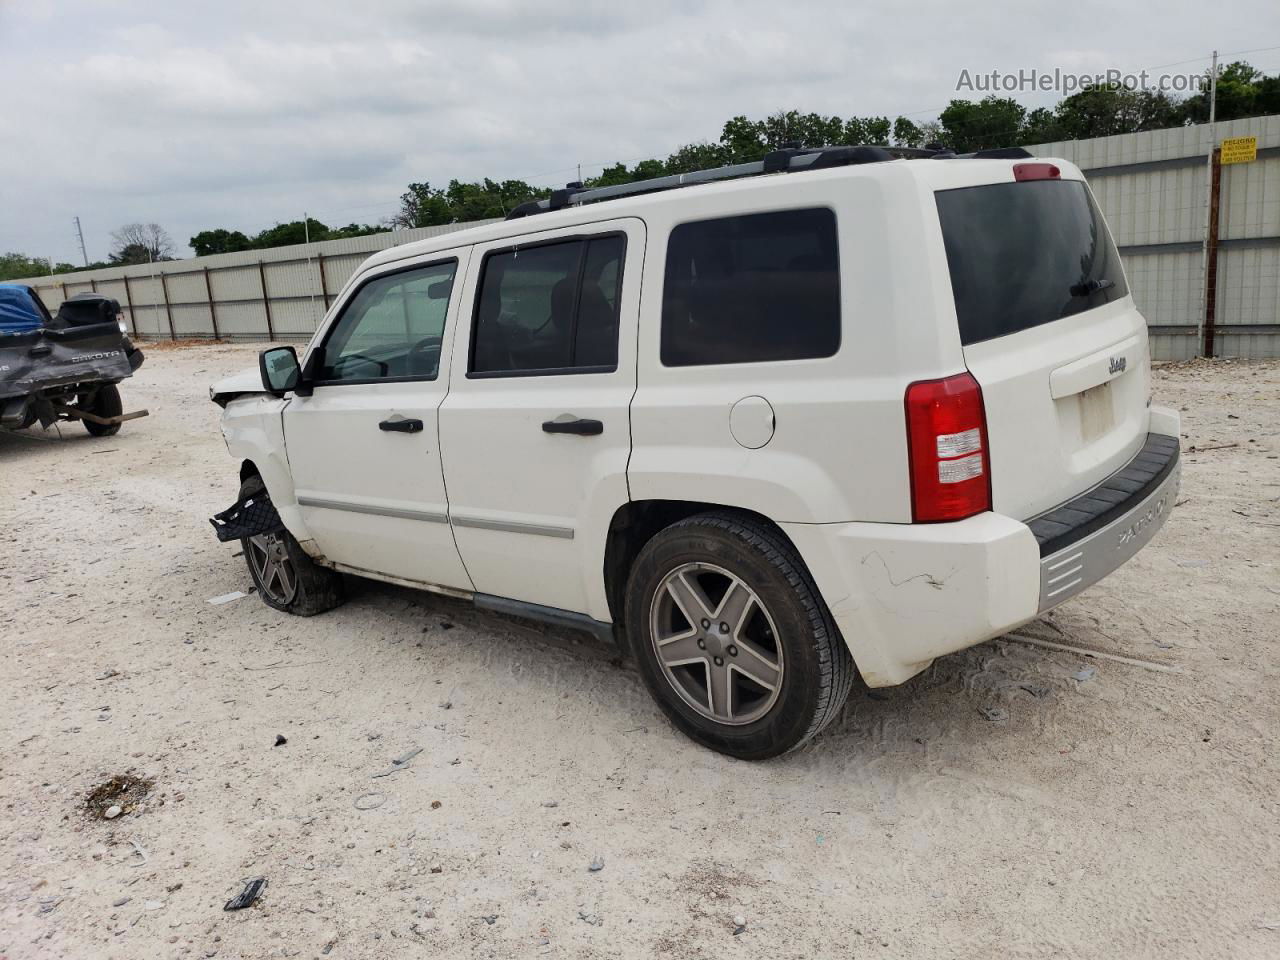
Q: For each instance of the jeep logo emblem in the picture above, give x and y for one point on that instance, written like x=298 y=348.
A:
x=1118 y=364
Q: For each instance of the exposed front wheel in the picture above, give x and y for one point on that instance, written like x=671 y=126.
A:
x=286 y=578
x=732 y=638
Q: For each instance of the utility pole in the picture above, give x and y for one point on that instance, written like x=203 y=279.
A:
x=306 y=235
x=1208 y=203
x=80 y=234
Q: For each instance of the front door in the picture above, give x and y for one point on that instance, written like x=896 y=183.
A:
x=535 y=429
x=363 y=448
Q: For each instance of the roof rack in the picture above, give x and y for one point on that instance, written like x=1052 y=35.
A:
x=790 y=158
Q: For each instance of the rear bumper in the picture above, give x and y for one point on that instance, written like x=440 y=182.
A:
x=1089 y=536
x=905 y=594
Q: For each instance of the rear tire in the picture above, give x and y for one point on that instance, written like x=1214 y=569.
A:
x=105 y=402
x=285 y=577
x=755 y=667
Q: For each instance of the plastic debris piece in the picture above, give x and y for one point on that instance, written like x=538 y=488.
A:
x=247 y=897
x=596 y=865
x=228 y=597
x=370 y=801
x=1085 y=673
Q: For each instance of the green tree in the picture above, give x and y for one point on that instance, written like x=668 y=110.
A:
x=906 y=133
x=208 y=242
x=741 y=141
x=1109 y=109
x=1041 y=126
x=293 y=232
x=989 y=123
x=18 y=266
x=1239 y=89
x=354 y=230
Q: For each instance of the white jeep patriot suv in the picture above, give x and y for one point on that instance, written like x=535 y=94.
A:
x=767 y=425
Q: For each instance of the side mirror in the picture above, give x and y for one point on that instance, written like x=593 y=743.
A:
x=279 y=368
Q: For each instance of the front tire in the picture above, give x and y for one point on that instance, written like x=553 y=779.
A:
x=733 y=639
x=286 y=578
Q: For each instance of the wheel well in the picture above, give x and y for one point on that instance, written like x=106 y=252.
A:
x=636 y=523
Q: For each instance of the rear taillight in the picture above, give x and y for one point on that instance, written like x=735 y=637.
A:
x=947 y=446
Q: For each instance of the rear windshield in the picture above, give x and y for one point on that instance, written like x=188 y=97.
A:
x=1023 y=254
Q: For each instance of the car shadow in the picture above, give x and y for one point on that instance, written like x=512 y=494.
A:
x=995 y=689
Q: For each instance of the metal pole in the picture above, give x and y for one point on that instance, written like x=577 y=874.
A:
x=324 y=286
x=266 y=301
x=164 y=292
x=1208 y=203
x=306 y=233
x=1211 y=249
x=128 y=300
x=80 y=234
x=213 y=310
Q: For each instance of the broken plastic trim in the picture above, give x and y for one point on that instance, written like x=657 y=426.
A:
x=253 y=515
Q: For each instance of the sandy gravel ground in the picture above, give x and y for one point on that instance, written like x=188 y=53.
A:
x=1131 y=814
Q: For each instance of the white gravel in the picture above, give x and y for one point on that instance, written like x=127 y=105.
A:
x=1131 y=815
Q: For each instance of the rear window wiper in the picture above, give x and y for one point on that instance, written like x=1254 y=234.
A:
x=1089 y=287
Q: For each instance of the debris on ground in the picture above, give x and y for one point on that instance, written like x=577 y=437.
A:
x=370 y=801
x=596 y=865
x=1036 y=690
x=739 y=925
x=594 y=919
x=247 y=897
x=436 y=804
x=1084 y=673
x=281 y=740
x=107 y=674
x=399 y=763
x=994 y=714
x=118 y=795
x=228 y=597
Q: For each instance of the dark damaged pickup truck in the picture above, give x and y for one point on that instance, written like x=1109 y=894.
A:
x=63 y=367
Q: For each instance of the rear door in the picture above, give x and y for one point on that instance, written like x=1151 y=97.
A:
x=535 y=429
x=363 y=448
x=1050 y=333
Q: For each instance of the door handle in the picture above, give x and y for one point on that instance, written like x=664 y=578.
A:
x=578 y=425
x=401 y=426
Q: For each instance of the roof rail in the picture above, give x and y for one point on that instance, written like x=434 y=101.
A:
x=789 y=159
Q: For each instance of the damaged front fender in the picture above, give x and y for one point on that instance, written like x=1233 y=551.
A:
x=253 y=427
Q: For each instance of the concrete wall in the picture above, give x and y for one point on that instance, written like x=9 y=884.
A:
x=280 y=294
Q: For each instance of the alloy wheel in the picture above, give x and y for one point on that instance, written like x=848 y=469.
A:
x=272 y=567
x=716 y=643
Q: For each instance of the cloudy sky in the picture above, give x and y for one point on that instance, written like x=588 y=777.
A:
x=243 y=114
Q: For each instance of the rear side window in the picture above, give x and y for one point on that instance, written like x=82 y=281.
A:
x=1023 y=254
x=750 y=289
x=551 y=308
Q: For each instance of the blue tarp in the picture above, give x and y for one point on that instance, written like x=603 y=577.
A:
x=18 y=312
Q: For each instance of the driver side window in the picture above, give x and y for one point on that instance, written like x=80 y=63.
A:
x=392 y=328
